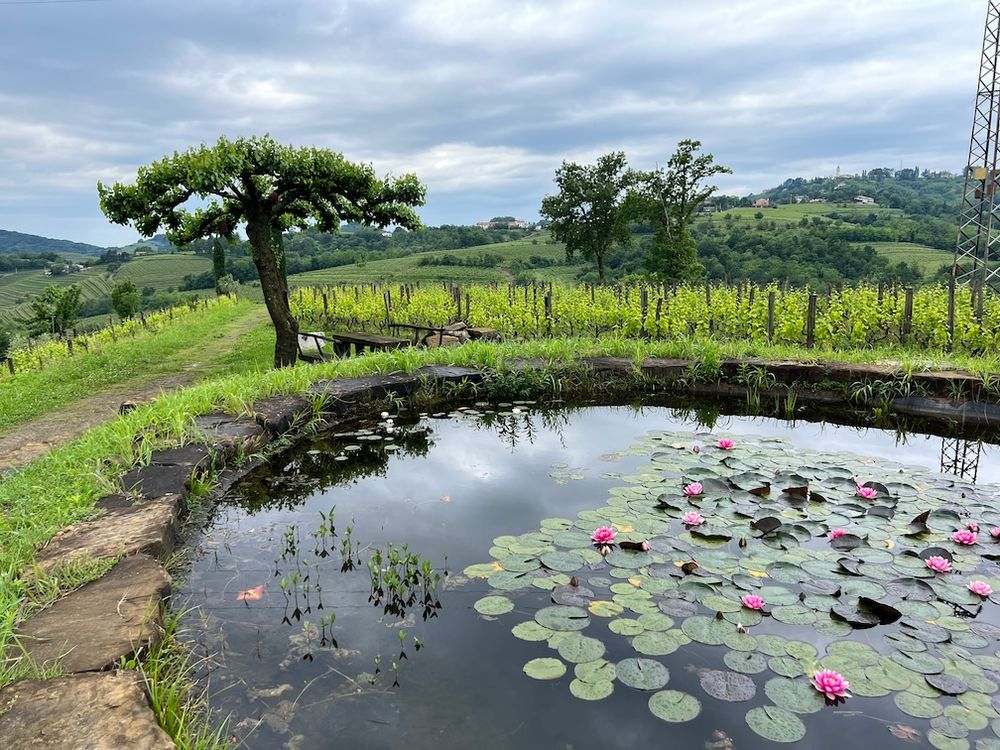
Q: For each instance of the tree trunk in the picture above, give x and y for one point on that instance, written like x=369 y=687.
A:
x=600 y=267
x=286 y=327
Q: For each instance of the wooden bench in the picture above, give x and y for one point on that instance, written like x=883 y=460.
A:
x=312 y=345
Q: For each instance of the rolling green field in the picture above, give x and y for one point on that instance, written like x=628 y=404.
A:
x=927 y=259
x=795 y=212
x=409 y=268
x=161 y=272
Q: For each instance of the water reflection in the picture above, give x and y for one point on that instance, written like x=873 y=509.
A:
x=961 y=457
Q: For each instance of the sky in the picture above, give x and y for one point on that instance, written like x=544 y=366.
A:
x=483 y=100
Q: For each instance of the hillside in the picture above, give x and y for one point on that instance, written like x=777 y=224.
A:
x=18 y=242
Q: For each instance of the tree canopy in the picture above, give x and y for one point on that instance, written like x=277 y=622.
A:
x=55 y=310
x=265 y=187
x=586 y=214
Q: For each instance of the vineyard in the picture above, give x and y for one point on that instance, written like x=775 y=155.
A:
x=861 y=316
x=38 y=356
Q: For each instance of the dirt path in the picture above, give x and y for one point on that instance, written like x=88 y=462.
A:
x=33 y=439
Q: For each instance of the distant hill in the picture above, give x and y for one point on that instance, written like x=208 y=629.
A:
x=158 y=243
x=18 y=242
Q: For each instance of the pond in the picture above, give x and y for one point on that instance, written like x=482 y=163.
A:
x=430 y=581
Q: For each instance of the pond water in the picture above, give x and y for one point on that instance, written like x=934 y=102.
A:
x=309 y=648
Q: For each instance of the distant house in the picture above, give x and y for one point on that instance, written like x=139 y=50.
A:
x=865 y=199
x=761 y=203
x=484 y=224
x=816 y=200
x=515 y=224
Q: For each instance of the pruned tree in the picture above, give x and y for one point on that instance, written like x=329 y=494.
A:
x=586 y=213
x=266 y=188
x=668 y=198
x=218 y=262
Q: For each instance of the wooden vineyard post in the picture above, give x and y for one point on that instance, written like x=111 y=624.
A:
x=770 y=315
x=10 y=365
x=468 y=300
x=548 y=313
x=708 y=306
x=659 y=310
x=69 y=346
x=326 y=306
x=644 y=308
x=811 y=322
x=907 y=316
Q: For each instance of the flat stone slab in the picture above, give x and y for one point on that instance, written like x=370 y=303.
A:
x=608 y=364
x=80 y=712
x=342 y=393
x=664 y=369
x=228 y=435
x=450 y=374
x=149 y=528
x=193 y=455
x=93 y=627
x=279 y=414
x=157 y=481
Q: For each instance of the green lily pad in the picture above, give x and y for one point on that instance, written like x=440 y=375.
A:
x=642 y=674
x=786 y=666
x=916 y=706
x=591 y=691
x=727 y=686
x=576 y=648
x=599 y=670
x=674 y=706
x=562 y=618
x=493 y=605
x=625 y=626
x=943 y=742
x=920 y=663
x=656 y=643
x=706 y=630
x=776 y=724
x=797 y=695
x=744 y=662
x=545 y=668
x=532 y=631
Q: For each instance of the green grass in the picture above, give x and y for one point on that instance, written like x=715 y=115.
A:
x=200 y=339
x=927 y=259
x=795 y=212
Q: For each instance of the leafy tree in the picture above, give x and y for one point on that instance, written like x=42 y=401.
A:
x=586 y=214
x=6 y=338
x=218 y=262
x=55 y=310
x=668 y=197
x=125 y=298
x=267 y=188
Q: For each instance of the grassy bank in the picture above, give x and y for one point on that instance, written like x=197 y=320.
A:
x=213 y=341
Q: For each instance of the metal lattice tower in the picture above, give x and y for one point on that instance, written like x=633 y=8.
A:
x=979 y=223
x=961 y=457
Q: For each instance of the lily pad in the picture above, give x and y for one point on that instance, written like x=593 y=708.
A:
x=591 y=691
x=545 y=668
x=493 y=605
x=744 y=662
x=674 y=706
x=797 y=695
x=728 y=686
x=916 y=706
x=576 y=648
x=656 y=643
x=776 y=724
x=642 y=674
x=562 y=618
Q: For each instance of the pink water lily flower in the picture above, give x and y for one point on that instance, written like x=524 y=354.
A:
x=973 y=527
x=995 y=532
x=964 y=536
x=831 y=684
x=867 y=493
x=836 y=534
x=692 y=518
x=603 y=535
x=693 y=489
x=726 y=444
x=981 y=588
x=938 y=564
x=752 y=601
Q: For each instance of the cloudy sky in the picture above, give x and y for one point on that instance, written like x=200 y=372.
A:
x=482 y=99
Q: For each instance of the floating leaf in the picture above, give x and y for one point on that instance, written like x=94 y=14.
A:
x=591 y=691
x=545 y=668
x=603 y=608
x=532 y=631
x=562 y=618
x=674 y=706
x=916 y=706
x=656 y=643
x=797 y=695
x=642 y=674
x=921 y=663
x=493 y=605
x=947 y=684
x=776 y=724
x=576 y=648
x=744 y=662
x=728 y=686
